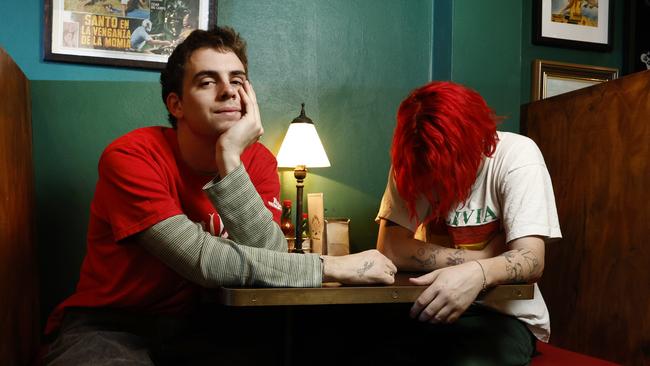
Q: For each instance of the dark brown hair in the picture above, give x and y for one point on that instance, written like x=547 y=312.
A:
x=220 y=38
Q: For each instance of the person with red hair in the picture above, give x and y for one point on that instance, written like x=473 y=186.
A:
x=472 y=207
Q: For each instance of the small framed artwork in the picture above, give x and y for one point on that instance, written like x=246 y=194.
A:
x=552 y=78
x=579 y=24
x=130 y=33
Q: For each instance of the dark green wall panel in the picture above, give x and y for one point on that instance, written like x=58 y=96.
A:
x=443 y=15
x=486 y=53
x=351 y=62
x=72 y=123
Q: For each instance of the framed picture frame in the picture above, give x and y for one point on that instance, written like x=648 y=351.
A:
x=552 y=78
x=127 y=33
x=578 y=24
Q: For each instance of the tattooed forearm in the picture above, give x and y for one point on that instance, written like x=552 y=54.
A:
x=456 y=257
x=521 y=264
x=426 y=258
x=366 y=266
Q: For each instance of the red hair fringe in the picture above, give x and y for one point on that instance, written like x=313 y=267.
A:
x=443 y=131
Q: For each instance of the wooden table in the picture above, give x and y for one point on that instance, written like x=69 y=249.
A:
x=333 y=293
x=290 y=300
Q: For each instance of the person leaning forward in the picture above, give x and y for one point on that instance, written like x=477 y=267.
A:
x=471 y=207
x=177 y=210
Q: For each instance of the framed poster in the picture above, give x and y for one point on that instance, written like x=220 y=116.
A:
x=552 y=78
x=579 y=24
x=131 y=33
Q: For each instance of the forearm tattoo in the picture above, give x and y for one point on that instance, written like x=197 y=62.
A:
x=366 y=266
x=425 y=257
x=456 y=257
x=521 y=264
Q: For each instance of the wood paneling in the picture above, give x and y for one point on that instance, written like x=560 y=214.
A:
x=18 y=276
x=596 y=143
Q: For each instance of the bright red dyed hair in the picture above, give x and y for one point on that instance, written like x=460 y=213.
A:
x=443 y=131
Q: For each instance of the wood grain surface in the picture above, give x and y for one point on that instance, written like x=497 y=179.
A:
x=19 y=323
x=402 y=291
x=596 y=282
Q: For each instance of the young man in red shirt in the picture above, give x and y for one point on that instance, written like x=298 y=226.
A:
x=177 y=210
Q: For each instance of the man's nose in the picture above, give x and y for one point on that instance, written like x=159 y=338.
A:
x=228 y=91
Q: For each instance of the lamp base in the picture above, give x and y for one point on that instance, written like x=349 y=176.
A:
x=300 y=173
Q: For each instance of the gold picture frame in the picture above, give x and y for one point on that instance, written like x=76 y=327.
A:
x=552 y=78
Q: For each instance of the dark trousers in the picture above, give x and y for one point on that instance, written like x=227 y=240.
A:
x=213 y=336
x=386 y=335
x=307 y=335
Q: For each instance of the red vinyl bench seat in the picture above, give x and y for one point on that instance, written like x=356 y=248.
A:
x=550 y=355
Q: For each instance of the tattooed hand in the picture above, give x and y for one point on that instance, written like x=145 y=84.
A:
x=361 y=268
x=451 y=290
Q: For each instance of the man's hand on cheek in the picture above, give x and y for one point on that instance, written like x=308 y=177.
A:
x=243 y=133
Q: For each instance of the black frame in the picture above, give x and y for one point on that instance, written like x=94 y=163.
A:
x=48 y=55
x=568 y=43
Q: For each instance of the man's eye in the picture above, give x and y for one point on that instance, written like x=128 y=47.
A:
x=237 y=82
x=206 y=83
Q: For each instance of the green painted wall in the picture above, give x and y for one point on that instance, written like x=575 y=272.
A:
x=351 y=62
x=443 y=16
x=486 y=50
x=72 y=123
x=489 y=44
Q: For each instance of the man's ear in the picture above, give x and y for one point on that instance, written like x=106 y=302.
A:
x=174 y=105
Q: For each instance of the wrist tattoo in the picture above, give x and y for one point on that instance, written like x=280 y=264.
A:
x=366 y=266
x=456 y=257
x=425 y=257
x=520 y=264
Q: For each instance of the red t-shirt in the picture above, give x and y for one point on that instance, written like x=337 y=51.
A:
x=142 y=181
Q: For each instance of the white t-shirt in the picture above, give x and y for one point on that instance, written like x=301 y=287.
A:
x=513 y=193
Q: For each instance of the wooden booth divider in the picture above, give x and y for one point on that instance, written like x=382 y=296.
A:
x=596 y=143
x=19 y=325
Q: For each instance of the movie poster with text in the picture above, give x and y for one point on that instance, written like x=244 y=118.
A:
x=137 y=30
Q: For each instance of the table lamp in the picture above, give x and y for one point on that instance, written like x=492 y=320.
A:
x=301 y=149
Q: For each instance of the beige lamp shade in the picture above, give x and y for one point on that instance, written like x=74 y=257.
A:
x=302 y=146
